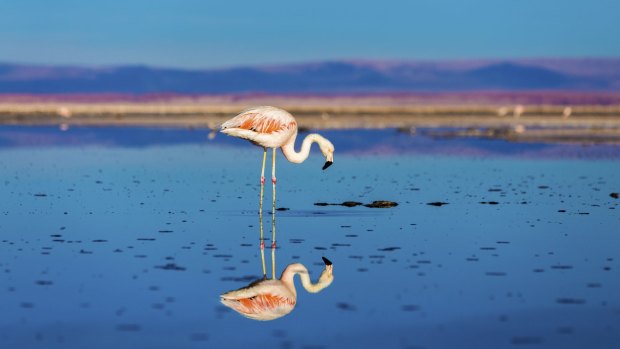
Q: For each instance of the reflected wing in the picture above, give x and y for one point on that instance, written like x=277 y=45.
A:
x=262 y=300
x=261 y=306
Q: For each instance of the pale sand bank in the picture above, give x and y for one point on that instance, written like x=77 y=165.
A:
x=524 y=123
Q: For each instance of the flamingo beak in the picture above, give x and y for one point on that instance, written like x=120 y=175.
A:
x=327 y=164
x=326 y=261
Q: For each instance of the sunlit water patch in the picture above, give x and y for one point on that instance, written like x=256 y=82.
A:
x=126 y=238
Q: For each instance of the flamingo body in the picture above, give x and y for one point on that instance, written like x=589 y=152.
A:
x=271 y=127
x=268 y=127
x=271 y=299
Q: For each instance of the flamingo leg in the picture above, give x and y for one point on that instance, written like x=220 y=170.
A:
x=260 y=213
x=273 y=216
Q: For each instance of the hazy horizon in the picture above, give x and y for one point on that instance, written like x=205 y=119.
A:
x=473 y=61
x=199 y=35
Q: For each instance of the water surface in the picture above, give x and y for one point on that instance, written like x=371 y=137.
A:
x=126 y=237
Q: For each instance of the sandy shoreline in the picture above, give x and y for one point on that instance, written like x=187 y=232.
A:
x=585 y=123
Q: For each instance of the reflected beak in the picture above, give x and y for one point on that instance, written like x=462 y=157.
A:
x=326 y=261
x=327 y=164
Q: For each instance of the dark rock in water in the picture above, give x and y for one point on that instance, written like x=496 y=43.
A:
x=570 y=301
x=41 y=195
x=495 y=273
x=437 y=203
x=562 y=267
x=170 y=266
x=198 y=337
x=382 y=204
x=282 y=209
x=410 y=307
x=346 y=204
x=389 y=249
x=615 y=195
x=247 y=278
x=345 y=306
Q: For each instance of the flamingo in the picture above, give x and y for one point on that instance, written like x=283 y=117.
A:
x=271 y=299
x=271 y=127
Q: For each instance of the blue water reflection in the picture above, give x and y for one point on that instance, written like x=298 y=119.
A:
x=125 y=238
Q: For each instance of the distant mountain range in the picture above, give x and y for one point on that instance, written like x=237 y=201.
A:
x=332 y=77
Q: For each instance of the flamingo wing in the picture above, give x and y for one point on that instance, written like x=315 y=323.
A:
x=263 y=120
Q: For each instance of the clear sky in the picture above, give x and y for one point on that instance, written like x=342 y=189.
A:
x=223 y=33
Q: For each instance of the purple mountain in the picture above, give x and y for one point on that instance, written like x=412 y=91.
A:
x=323 y=77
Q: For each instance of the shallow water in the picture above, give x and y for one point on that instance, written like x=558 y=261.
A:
x=126 y=237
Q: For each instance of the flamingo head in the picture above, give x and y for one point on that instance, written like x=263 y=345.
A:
x=327 y=148
x=327 y=276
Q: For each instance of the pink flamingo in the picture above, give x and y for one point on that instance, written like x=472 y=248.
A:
x=271 y=127
x=271 y=299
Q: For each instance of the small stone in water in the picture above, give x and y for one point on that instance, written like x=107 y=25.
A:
x=351 y=203
x=382 y=204
x=170 y=266
x=437 y=203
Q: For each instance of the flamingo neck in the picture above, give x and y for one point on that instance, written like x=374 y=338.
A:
x=298 y=157
x=298 y=268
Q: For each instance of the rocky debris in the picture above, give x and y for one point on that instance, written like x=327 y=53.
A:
x=437 y=203
x=382 y=204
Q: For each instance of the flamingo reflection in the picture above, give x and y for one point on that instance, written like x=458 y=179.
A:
x=271 y=299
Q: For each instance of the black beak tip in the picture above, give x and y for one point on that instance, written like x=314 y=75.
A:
x=327 y=164
x=326 y=261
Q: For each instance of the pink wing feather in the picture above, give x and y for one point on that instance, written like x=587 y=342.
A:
x=264 y=120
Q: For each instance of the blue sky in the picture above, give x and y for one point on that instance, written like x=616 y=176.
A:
x=205 y=34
